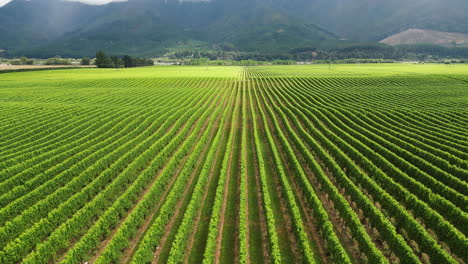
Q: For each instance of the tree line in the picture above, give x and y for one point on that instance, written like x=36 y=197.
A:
x=105 y=61
x=419 y=52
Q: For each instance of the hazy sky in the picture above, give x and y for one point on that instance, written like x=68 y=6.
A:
x=92 y=2
x=3 y=2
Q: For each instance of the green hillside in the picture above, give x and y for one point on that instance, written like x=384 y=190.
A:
x=151 y=27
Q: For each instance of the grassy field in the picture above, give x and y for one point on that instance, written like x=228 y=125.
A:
x=271 y=164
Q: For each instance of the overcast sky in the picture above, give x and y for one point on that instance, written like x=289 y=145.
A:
x=92 y=2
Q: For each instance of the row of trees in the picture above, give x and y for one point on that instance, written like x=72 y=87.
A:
x=50 y=61
x=419 y=52
x=58 y=61
x=22 y=61
x=105 y=61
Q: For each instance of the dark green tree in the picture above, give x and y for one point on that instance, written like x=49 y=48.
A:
x=85 y=61
x=117 y=62
x=102 y=60
x=128 y=61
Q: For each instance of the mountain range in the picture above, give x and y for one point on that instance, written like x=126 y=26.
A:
x=152 y=27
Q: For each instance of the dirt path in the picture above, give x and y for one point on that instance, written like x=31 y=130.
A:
x=236 y=194
x=287 y=229
x=261 y=211
x=218 y=164
x=196 y=222
x=243 y=181
x=226 y=191
x=247 y=216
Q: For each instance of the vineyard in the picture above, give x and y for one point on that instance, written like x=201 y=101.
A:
x=271 y=164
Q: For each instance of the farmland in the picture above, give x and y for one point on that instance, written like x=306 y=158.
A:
x=268 y=164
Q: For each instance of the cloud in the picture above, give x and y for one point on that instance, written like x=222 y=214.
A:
x=89 y=2
x=3 y=2
x=96 y=2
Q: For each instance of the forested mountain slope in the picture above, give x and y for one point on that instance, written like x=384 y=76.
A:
x=150 y=27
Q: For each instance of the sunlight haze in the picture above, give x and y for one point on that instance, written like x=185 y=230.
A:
x=89 y=2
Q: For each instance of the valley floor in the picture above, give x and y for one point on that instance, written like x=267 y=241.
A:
x=273 y=164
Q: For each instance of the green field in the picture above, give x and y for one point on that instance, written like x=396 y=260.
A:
x=271 y=164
